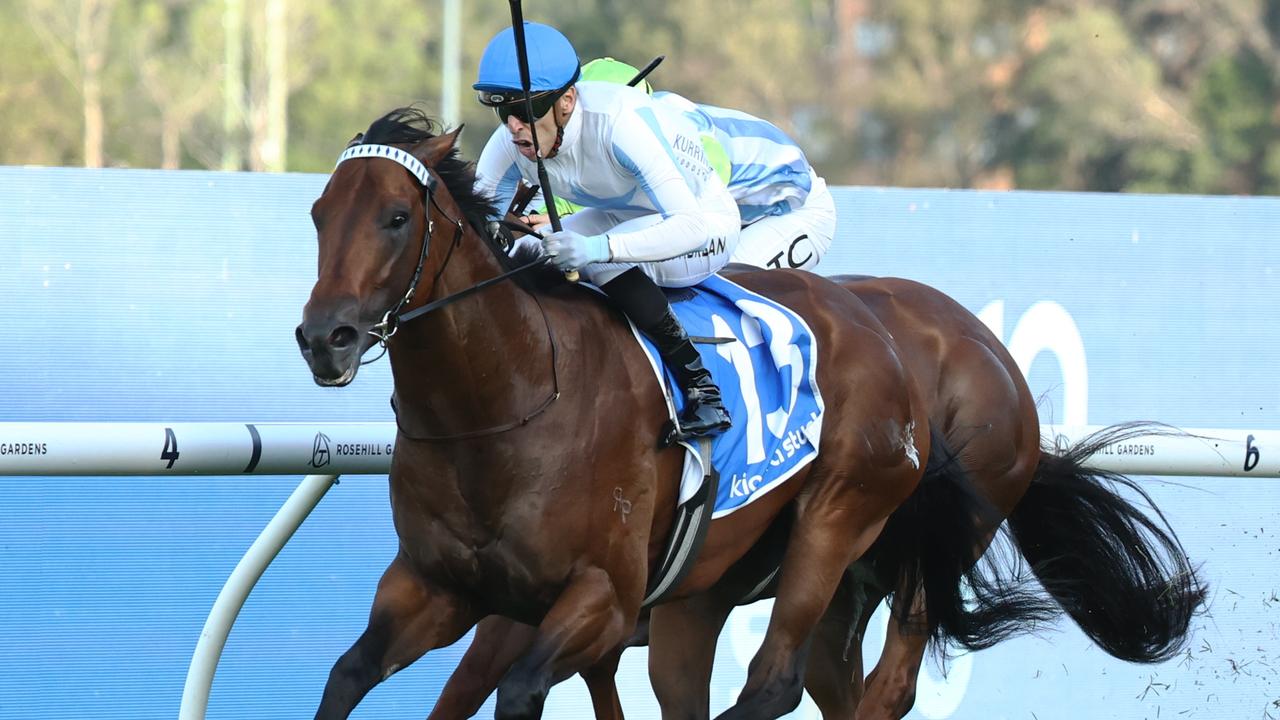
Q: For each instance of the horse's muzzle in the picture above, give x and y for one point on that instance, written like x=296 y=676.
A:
x=332 y=351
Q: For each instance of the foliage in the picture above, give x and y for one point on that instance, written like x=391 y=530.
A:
x=1129 y=95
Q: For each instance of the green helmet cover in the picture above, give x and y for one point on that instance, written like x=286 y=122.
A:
x=606 y=69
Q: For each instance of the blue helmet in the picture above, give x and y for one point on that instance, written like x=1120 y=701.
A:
x=553 y=63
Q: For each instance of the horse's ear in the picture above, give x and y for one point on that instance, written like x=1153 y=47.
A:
x=434 y=150
x=356 y=140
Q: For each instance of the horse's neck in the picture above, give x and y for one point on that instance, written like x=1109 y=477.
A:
x=477 y=363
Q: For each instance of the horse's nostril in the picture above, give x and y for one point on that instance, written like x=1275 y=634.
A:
x=303 y=345
x=343 y=336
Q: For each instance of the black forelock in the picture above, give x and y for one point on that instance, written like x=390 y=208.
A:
x=410 y=126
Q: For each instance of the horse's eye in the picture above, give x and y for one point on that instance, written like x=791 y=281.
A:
x=398 y=221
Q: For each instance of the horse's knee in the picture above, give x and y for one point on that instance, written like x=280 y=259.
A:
x=521 y=694
x=352 y=668
x=681 y=700
x=350 y=678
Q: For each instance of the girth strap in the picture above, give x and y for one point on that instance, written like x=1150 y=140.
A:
x=693 y=517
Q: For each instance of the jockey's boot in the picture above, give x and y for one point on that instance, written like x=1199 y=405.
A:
x=704 y=412
x=640 y=298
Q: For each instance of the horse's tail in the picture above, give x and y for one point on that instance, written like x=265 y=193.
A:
x=933 y=540
x=1119 y=573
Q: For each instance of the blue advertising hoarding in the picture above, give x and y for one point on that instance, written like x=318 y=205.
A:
x=172 y=296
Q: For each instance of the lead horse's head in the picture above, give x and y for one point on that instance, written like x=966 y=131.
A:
x=374 y=225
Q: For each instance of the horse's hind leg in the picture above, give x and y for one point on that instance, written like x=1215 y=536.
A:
x=993 y=427
x=682 y=648
x=817 y=556
x=833 y=675
x=583 y=625
x=891 y=686
x=406 y=621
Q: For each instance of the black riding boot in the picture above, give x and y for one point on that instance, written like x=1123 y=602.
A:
x=704 y=412
x=643 y=301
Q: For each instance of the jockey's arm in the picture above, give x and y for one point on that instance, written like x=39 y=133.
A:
x=497 y=174
x=640 y=150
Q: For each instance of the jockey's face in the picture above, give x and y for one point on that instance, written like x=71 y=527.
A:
x=546 y=126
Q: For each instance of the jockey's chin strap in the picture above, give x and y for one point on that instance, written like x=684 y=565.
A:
x=555 y=146
x=390 y=323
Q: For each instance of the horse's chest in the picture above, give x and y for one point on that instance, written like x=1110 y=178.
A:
x=487 y=555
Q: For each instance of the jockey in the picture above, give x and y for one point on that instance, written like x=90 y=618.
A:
x=655 y=213
x=788 y=215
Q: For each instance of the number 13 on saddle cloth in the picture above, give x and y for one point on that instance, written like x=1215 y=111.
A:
x=765 y=359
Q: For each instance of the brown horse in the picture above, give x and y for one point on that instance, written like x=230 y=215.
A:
x=978 y=398
x=1119 y=574
x=520 y=486
x=1116 y=571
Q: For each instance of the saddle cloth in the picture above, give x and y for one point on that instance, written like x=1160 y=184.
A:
x=767 y=374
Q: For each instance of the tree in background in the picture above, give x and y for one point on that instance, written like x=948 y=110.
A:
x=175 y=50
x=74 y=34
x=270 y=87
x=38 y=104
x=1086 y=97
x=1133 y=95
x=938 y=85
x=354 y=62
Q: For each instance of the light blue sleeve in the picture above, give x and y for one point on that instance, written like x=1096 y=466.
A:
x=498 y=173
x=642 y=149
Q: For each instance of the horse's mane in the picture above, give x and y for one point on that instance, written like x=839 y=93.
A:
x=410 y=126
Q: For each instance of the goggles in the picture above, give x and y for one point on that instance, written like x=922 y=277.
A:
x=511 y=102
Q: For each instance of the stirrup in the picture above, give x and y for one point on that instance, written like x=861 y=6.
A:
x=672 y=433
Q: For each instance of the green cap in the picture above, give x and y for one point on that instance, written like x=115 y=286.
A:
x=606 y=69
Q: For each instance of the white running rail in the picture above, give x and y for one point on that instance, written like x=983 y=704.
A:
x=322 y=452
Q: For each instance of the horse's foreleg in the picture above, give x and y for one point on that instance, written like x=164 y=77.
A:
x=891 y=686
x=601 y=683
x=498 y=642
x=584 y=624
x=406 y=621
x=682 y=649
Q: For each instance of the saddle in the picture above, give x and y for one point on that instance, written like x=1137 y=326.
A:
x=763 y=357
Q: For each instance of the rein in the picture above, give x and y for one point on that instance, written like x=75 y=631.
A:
x=390 y=323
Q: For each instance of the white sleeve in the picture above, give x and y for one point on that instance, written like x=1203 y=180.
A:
x=640 y=149
x=497 y=173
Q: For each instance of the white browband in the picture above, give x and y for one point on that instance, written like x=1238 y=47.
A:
x=410 y=163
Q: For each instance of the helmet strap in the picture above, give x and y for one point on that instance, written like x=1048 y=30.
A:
x=555 y=147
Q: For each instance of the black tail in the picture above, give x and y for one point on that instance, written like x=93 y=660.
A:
x=933 y=541
x=1120 y=574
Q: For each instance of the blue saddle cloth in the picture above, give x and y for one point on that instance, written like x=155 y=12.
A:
x=767 y=375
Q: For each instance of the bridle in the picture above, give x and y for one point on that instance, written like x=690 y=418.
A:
x=391 y=321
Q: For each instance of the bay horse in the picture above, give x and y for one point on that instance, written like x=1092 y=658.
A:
x=520 y=485
x=1117 y=571
x=1120 y=574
